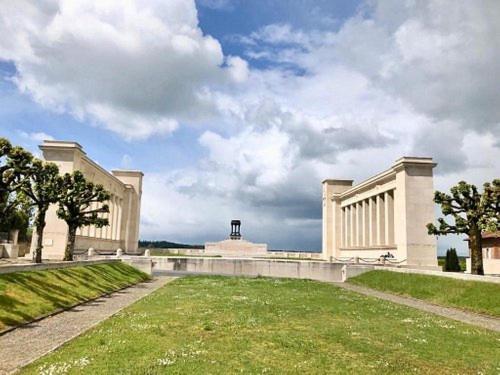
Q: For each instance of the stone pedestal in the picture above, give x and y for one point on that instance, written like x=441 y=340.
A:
x=235 y=248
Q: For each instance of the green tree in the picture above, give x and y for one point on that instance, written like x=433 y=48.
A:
x=78 y=196
x=452 y=263
x=43 y=188
x=473 y=212
x=14 y=164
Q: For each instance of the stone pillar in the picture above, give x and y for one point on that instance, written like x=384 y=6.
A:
x=352 y=225
x=372 y=218
x=359 y=211
x=389 y=217
x=119 y=220
x=414 y=208
x=366 y=228
x=133 y=187
x=380 y=220
x=342 y=227
x=332 y=218
x=115 y=218
x=347 y=222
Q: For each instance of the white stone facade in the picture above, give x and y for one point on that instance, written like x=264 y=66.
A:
x=385 y=213
x=124 y=206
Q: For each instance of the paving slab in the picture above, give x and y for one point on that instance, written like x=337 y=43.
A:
x=29 y=342
x=484 y=321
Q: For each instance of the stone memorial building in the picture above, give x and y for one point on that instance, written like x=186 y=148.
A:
x=124 y=206
x=235 y=245
x=383 y=215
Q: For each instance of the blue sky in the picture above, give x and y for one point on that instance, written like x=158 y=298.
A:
x=238 y=109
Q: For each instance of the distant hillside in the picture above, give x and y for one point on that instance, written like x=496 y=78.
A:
x=168 y=245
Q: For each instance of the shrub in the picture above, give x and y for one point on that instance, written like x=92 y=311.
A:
x=451 y=263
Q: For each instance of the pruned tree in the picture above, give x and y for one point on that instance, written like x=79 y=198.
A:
x=43 y=188
x=14 y=165
x=473 y=212
x=77 y=206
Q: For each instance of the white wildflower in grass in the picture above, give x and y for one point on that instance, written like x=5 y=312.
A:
x=165 y=361
x=81 y=362
x=54 y=369
x=240 y=298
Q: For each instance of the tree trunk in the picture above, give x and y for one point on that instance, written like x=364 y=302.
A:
x=70 y=246
x=476 y=251
x=40 y=225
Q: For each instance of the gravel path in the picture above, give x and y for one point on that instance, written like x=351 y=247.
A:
x=479 y=320
x=27 y=343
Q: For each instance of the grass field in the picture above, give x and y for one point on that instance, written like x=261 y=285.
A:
x=475 y=296
x=217 y=325
x=28 y=295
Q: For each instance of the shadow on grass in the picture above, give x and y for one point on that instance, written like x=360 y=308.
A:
x=28 y=295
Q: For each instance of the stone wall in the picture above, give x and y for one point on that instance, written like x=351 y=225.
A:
x=321 y=271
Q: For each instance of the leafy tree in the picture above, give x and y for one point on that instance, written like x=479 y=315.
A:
x=473 y=213
x=42 y=187
x=14 y=163
x=78 y=196
x=451 y=263
x=19 y=218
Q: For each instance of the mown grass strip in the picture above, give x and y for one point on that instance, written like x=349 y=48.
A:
x=475 y=296
x=25 y=296
x=222 y=325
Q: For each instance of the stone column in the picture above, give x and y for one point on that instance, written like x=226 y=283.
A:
x=347 y=222
x=115 y=217
x=111 y=217
x=413 y=209
x=380 y=220
x=332 y=218
x=119 y=221
x=359 y=221
x=389 y=217
x=366 y=235
x=352 y=225
x=342 y=227
x=372 y=218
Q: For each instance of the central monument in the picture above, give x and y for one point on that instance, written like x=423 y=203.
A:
x=235 y=246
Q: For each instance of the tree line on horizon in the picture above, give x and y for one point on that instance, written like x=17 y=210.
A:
x=28 y=186
x=162 y=244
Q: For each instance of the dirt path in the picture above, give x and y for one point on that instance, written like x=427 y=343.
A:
x=479 y=320
x=27 y=343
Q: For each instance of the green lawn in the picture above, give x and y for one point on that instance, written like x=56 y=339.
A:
x=218 y=325
x=475 y=296
x=28 y=295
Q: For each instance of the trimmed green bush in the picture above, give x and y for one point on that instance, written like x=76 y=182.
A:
x=451 y=263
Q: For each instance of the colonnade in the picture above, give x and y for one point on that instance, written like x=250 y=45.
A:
x=114 y=216
x=368 y=222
